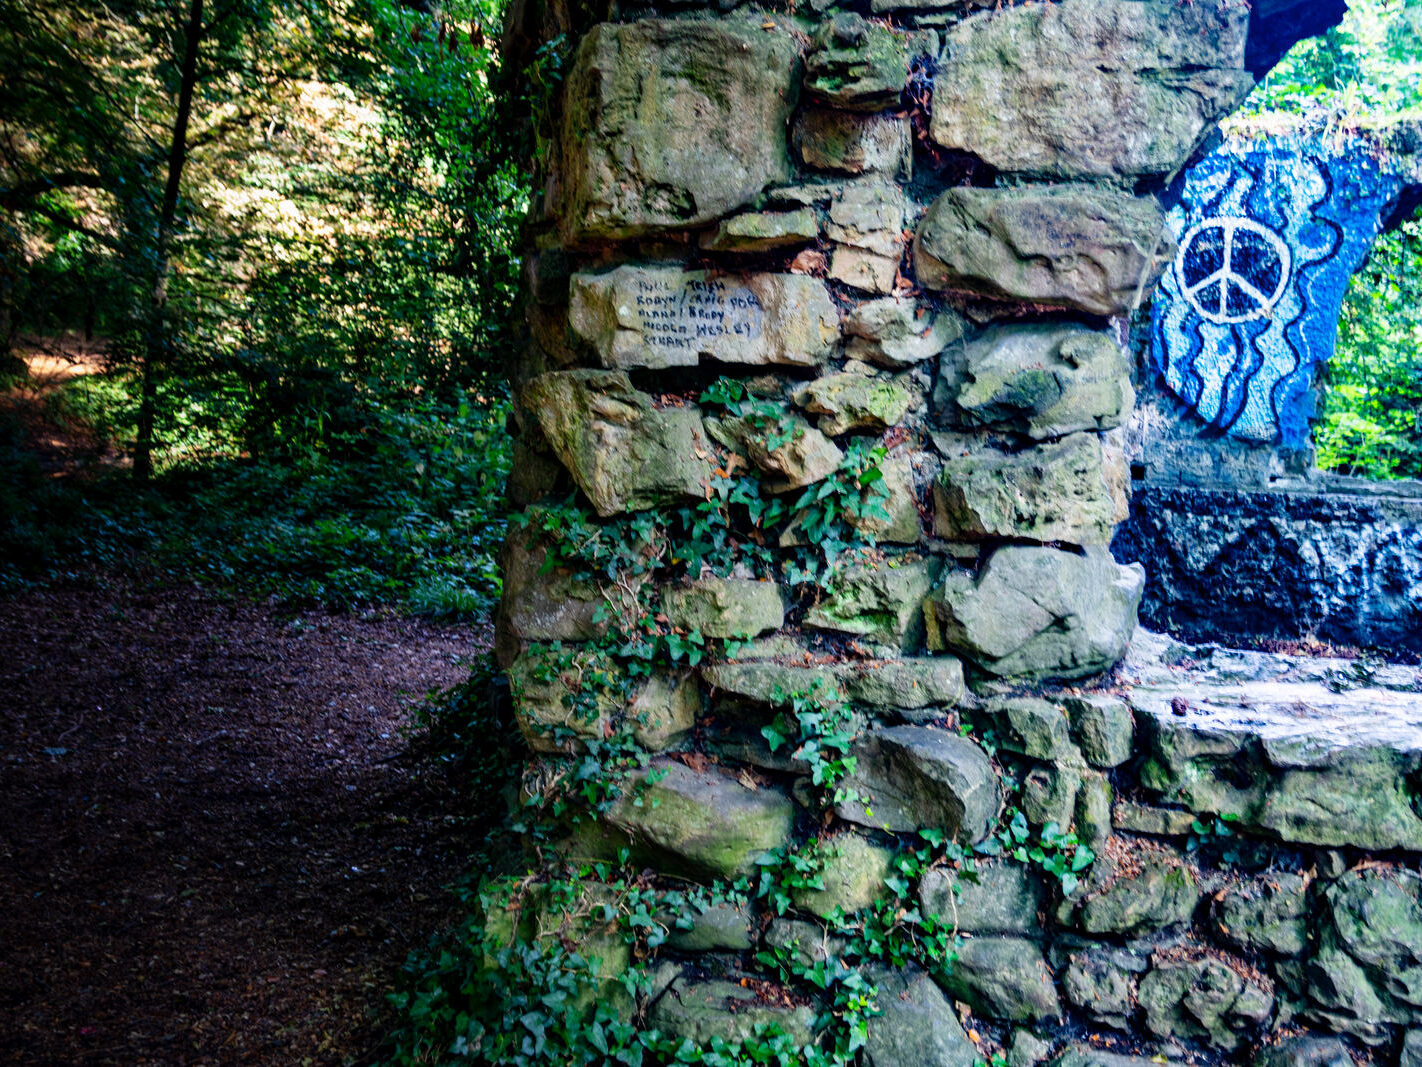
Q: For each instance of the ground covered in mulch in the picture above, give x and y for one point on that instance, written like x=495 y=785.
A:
x=215 y=846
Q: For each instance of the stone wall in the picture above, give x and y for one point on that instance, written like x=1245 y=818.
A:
x=820 y=449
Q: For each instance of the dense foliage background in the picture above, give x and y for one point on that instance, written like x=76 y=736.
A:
x=288 y=229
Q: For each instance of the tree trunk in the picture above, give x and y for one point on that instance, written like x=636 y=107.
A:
x=157 y=342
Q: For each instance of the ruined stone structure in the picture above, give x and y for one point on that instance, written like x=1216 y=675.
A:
x=820 y=449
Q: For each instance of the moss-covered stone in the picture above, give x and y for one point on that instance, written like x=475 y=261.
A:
x=1157 y=892
x=1002 y=897
x=1093 y=810
x=915 y=683
x=720 y=928
x=1083 y=247
x=1072 y=490
x=1101 y=982
x=903 y=524
x=1236 y=747
x=1367 y=968
x=1137 y=818
x=669 y=123
x=1090 y=88
x=1043 y=380
x=1268 y=914
x=853 y=877
x=700 y=823
x=854 y=399
x=1037 y=612
x=1005 y=978
x=1049 y=791
x=916 y=1024
x=881 y=600
x=896 y=331
x=623 y=452
x=561 y=700
x=724 y=607
x=850 y=143
x=763 y=231
x=663 y=710
x=1204 y=1000
x=1030 y=726
x=857 y=64
x=553 y=605
x=1102 y=726
x=866 y=222
x=704 y=1009
x=787 y=449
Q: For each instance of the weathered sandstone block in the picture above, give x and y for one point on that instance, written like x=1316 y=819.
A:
x=672 y=123
x=1074 y=246
x=1038 y=612
x=1072 y=490
x=1090 y=88
x=622 y=451
x=1041 y=380
x=659 y=317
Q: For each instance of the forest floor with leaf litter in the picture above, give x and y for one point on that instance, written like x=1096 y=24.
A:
x=215 y=846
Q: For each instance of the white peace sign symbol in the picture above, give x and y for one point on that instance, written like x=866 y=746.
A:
x=1213 y=243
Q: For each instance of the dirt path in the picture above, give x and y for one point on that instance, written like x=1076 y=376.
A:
x=211 y=848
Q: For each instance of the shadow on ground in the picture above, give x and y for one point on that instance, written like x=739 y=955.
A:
x=213 y=846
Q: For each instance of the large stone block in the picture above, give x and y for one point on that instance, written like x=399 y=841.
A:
x=916 y=1024
x=1295 y=761
x=669 y=123
x=1004 y=897
x=1090 y=88
x=1204 y=1000
x=1038 y=612
x=700 y=823
x=725 y=607
x=1004 y=978
x=1158 y=892
x=1269 y=914
x=703 y=1010
x=1043 y=380
x=881 y=600
x=910 y=777
x=1078 y=246
x=1072 y=490
x=913 y=683
x=624 y=453
x=1366 y=972
x=660 y=317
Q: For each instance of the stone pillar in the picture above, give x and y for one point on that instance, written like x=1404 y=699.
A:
x=819 y=414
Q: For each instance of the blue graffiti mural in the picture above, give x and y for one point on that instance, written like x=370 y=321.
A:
x=1268 y=237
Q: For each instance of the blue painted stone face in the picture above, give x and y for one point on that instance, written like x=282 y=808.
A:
x=1269 y=235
